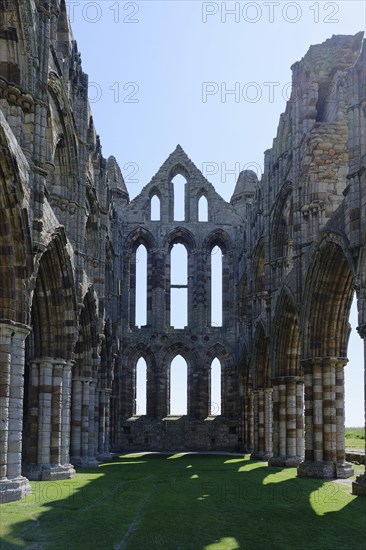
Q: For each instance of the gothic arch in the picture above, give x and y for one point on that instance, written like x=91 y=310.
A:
x=85 y=383
x=282 y=223
x=285 y=337
x=137 y=237
x=132 y=355
x=219 y=238
x=16 y=264
x=329 y=287
x=49 y=352
x=180 y=235
x=179 y=169
x=87 y=349
x=325 y=328
x=287 y=383
x=62 y=154
x=220 y=352
x=262 y=395
x=191 y=358
x=54 y=317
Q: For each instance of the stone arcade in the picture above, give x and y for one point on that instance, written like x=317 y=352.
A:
x=293 y=254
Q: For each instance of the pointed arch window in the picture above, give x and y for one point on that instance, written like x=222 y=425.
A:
x=155 y=208
x=178 y=286
x=179 y=185
x=215 y=388
x=141 y=385
x=216 y=287
x=141 y=286
x=178 y=386
x=202 y=209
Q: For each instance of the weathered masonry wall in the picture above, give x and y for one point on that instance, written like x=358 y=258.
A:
x=200 y=341
x=292 y=252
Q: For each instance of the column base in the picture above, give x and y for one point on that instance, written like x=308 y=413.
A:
x=261 y=455
x=325 y=470
x=285 y=461
x=104 y=457
x=359 y=486
x=344 y=471
x=49 y=472
x=90 y=462
x=14 y=489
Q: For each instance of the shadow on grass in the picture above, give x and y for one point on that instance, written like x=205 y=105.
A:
x=189 y=502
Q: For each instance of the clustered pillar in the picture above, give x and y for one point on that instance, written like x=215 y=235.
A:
x=102 y=423
x=262 y=412
x=324 y=419
x=288 y=430
x=13 y=485
x=90 y=425
x=49 y=420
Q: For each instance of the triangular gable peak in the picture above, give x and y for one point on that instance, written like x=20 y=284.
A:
x=196 y=186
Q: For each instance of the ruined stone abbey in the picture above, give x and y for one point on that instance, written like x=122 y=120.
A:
x=293 y=254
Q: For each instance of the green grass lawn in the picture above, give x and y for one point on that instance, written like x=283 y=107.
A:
x=355 y=438
x=189 y=502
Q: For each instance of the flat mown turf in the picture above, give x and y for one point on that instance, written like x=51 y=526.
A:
x=185 y=502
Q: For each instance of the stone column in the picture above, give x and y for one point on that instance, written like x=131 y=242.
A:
x=300 y=419
x=256 y=449
x=359 y=486
x=83 y=437
x=5 y=359
x=85 y=403
x=103 y=424
x=49 y=402
x=13 y=485
x=107 y=423
x=100 y=399
x=287 y=422
x=251 y=420
x=56 y=414
x=262 y=424
x=276 y=425
x=76 y=404
x=66 y=414
x=114 y=432
x=267 y=423
x=324 y=420
x=92 y=434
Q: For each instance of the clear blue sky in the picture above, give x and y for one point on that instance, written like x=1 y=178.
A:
x=151 y=62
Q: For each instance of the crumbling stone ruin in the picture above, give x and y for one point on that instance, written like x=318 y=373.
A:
x=292 y=248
